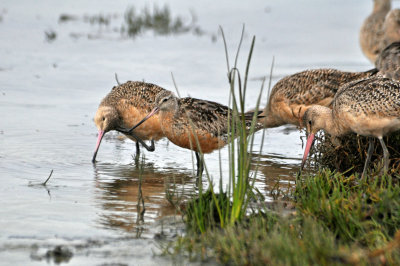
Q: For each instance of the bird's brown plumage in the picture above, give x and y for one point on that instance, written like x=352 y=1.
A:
x=388 y=61
x=124 y=107
x=294 y=94
x=391 y=29
x=186 y=118
x=369 y=107
x=132 y=101
x=371 y=33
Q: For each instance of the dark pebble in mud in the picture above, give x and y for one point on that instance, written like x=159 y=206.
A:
x=59 y=254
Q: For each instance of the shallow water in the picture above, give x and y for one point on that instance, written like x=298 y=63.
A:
x=50 y=90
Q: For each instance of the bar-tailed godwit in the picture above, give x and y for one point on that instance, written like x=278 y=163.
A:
x=124 y=107
x=369 y=107
x=194 y=124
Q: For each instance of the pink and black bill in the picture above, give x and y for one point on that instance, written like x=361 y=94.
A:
x=99 y=138
x=310 y=142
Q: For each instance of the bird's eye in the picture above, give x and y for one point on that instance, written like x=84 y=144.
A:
x=164 y=100
x=104 y=118
x=309 y=122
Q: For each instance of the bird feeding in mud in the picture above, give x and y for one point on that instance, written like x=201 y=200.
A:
x=293 y=95
x=369 y=107
x=124 y=107
x=194 y=124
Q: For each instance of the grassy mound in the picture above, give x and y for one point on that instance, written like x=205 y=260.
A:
x=348 y=153
x=337 y=220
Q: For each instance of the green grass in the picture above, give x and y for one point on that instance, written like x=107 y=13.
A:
x=337 y=220
x=226 y=207
x=366 y=212
x=159 y=20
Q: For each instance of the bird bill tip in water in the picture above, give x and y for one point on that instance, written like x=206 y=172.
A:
x=99 y=138
x=310 y=141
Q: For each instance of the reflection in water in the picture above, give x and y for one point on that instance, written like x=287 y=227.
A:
x=276 y=173
x=133 y=196
x=120 y=190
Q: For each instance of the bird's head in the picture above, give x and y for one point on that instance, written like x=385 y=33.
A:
x=166 y=101
x=106 y=119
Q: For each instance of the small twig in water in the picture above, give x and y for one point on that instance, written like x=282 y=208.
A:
x=45 y=182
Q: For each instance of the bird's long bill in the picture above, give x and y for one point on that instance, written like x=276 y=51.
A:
x=153 y=112
x=310 y=141
x=99 y=138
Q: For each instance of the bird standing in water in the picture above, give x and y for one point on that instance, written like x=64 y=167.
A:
x=293 y=95
x=194 y=124
x=124 y=107
x=369 y=107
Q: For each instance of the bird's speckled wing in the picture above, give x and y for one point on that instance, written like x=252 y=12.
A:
x=373 y=96
x=312 y=86
x=205 y=115
x=136 y=93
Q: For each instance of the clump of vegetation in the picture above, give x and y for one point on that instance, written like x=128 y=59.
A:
x=159 y=20
x=349 y=152
x=338 y=220
x=99 y=19
x=63 y=18
x=202 y=212
x=362 y=211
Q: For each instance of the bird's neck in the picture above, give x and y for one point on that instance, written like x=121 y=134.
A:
x=382 y=6
x=331 y=124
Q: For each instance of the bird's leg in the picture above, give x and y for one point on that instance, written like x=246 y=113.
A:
x=385 y=156
x=137 y=149
x=200 y=166
x=369 y=155
x=139 y=140
x=147 y=147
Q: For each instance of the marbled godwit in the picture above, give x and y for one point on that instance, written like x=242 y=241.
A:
x=371 y=32
x=293 y=95
x=124 y=107
x=194 y=124
x=369 y=107
x=388 y=61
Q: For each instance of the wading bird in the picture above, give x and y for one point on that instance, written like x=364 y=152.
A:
x=124 y=107
x=369 y=107
x=194 y=124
